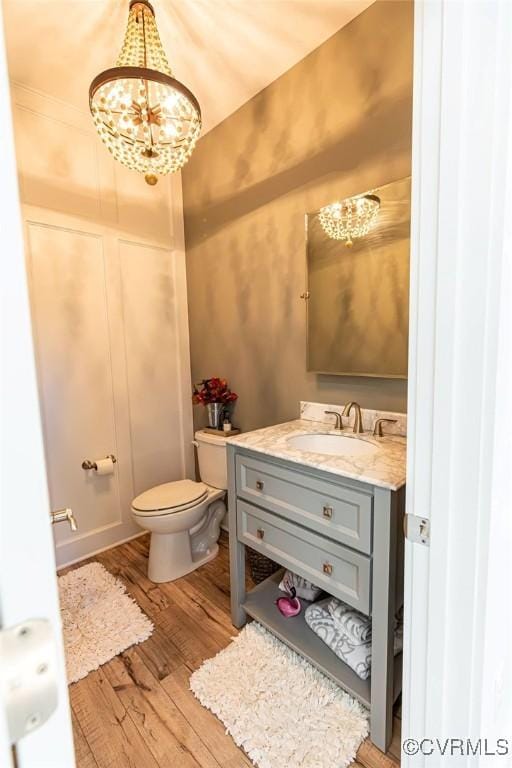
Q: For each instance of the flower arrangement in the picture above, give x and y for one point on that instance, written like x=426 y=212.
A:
x=213 y=390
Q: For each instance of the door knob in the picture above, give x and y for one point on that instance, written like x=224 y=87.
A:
x=62 y=515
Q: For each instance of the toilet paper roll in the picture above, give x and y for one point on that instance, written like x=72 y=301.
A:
x=105 y=466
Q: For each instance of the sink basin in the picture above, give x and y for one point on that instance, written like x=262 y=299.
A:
x=333 y=445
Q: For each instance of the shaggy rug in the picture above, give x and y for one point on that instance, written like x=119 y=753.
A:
x=99 y=619
x=281 y=710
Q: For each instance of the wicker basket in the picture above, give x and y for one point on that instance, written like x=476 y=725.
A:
x=260 y=566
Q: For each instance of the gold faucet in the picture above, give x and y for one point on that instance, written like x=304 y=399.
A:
x=358 y=422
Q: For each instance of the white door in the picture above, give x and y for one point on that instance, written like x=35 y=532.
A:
x=28 y=588
x=458 y=611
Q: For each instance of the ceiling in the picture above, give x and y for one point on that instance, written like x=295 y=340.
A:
x=225 y=51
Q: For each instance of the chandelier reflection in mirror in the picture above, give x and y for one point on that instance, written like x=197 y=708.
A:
x=350 y=218
x=149 y=121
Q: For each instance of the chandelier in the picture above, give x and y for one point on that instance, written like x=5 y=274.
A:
x=352 y=218
x=149 y=121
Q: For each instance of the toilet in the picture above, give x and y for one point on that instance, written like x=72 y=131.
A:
x=184 y=516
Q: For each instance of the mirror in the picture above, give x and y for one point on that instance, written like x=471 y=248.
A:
x=358 y=286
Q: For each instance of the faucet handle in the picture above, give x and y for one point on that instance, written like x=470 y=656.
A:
x=339 y=421
x=377 y=429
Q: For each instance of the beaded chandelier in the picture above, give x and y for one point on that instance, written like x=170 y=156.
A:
x=352 y=218
x=149 y=121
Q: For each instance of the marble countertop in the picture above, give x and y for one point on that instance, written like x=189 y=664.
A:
x=385 y=468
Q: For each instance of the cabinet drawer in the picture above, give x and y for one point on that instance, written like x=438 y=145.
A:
x=332 y=509
x=340 y=571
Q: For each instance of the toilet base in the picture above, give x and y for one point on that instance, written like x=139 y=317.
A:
x=170 y=556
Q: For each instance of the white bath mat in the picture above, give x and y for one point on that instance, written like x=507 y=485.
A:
x=281 y=710
x=99 y=619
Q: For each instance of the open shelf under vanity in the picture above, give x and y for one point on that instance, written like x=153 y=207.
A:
x=294 y=631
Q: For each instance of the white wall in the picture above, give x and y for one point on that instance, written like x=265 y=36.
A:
x=105 y=258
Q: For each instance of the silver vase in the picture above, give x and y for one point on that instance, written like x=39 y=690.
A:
x=215 y=411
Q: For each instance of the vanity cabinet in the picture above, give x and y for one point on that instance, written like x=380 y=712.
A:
x=343 y=535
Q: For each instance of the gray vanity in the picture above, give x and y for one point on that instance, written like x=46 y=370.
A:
x=336 y=520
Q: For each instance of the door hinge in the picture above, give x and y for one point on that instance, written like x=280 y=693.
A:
x=28 y=676
x=417 y=529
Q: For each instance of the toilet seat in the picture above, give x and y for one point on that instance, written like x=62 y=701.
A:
x=170 y=498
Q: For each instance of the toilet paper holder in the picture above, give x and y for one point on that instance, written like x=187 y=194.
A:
x=88 y=464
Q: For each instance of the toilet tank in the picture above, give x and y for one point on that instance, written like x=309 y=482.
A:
x=211 y=455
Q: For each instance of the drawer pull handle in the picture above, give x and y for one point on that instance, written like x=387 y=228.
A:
x=260 y=533
x=327 y=511
x=327 y=569
x=260 y=485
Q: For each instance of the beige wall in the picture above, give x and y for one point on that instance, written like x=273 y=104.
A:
x=337 y=123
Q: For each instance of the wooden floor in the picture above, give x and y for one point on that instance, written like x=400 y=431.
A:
x=137 y=711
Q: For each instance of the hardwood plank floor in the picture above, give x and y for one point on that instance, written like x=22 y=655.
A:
x=137 y=711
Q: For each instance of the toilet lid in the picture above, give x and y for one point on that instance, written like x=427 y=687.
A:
x=181 y=493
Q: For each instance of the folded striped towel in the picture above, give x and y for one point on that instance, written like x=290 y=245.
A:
x=354 y=625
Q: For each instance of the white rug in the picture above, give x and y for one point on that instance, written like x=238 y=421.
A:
x=281 y=710
x=99 y=619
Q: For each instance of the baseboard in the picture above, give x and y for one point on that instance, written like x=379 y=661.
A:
x=102 y=549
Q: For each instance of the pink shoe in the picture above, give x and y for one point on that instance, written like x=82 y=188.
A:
x=290 y=605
